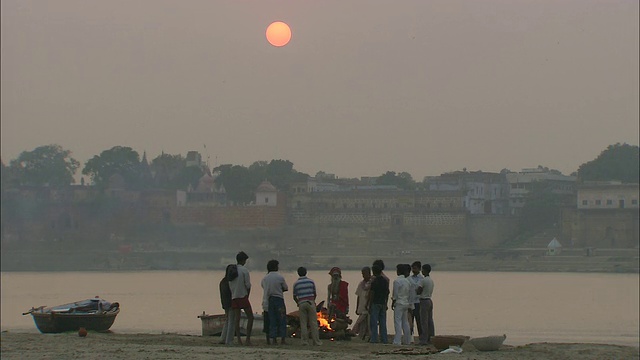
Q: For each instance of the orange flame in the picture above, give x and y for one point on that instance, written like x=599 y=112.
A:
x=323 y=323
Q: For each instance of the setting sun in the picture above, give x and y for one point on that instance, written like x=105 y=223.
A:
x=278 y=34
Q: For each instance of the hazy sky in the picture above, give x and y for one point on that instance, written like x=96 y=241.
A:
x=364 y=86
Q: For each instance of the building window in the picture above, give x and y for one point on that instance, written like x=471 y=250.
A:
x=634 y=201
x=585 y=202
x=266 y=200
x=598 y=202
x=609 y=202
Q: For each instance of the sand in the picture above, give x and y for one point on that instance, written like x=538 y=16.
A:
x=15 y=345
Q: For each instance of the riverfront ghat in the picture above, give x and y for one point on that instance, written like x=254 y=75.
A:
x=496 y=259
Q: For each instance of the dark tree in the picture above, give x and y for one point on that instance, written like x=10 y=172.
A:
x=616 y=162
x=117 y=160
x=404 y=180
x=45 y=165
x=238 y=182
x=167 y=171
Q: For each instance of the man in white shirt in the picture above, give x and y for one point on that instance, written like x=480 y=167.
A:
x=240 y=289
x=401 y=305
x=361 y=326
x=425 y=291
x=413 y=297
x=274 y=286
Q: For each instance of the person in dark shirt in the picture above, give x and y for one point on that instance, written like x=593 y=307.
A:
x=378 y=298
x=225 y=299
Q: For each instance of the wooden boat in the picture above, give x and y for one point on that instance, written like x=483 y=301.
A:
x=488 y=343
x=92 y=314
x=212 y=325
x=442 y=342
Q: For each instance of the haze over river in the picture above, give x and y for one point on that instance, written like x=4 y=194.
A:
x=528 y=307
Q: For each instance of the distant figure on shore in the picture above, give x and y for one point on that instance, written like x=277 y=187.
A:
x=338 y=295
x=240 y=289
x=414 y=298
x=265 y=316
x=425 y=291
x=304 y=294
x=400 y=305
x=274 y=286
x=362 y=325
x=225 y=299
x=377 y=307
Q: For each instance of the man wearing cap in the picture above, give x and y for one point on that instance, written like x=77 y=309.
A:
x=338 y=295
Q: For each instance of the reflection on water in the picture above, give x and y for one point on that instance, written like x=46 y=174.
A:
x=528 y=307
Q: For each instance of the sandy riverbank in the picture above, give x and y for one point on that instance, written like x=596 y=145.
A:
x=172 y=346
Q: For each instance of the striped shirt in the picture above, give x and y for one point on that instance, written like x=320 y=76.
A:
x=304 y=289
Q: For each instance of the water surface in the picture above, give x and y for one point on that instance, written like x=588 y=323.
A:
x=528 y=307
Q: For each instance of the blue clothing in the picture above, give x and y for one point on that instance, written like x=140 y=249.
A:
x=304 y=289
x=378 y=316
x=277 y=317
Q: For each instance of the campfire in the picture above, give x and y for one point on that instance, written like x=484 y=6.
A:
x=323 y=322
x=333 y=329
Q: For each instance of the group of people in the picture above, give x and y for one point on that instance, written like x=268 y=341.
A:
x=235 y=288
x=410 y=301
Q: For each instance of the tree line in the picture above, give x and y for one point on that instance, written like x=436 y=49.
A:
x=54 y=166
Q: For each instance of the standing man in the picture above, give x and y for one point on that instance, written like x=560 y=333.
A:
x=240 y=289
x=225 y=299
x=361 y=327
x=304 y=294
x=425 y=290
x=414 y=298
x=274 y=286
x=401 y=305
x=338 y=295
x=377 y=307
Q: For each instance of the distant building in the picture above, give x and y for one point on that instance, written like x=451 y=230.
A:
x=607 y=195
x=521 y=183
x=194 y=159
x=266 y=194
x=483 y=192
x=605 y=216
x=206 y=193
x=554 y=247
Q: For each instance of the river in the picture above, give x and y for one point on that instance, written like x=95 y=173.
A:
x=528 y=307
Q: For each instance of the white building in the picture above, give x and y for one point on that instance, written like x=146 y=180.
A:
x=607 y=195
x=484 y=192
x=266 y=194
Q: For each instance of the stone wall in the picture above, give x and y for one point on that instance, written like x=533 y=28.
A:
x=490 y=231
x=611 y=228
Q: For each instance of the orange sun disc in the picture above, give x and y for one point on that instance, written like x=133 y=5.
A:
x=278 y=34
